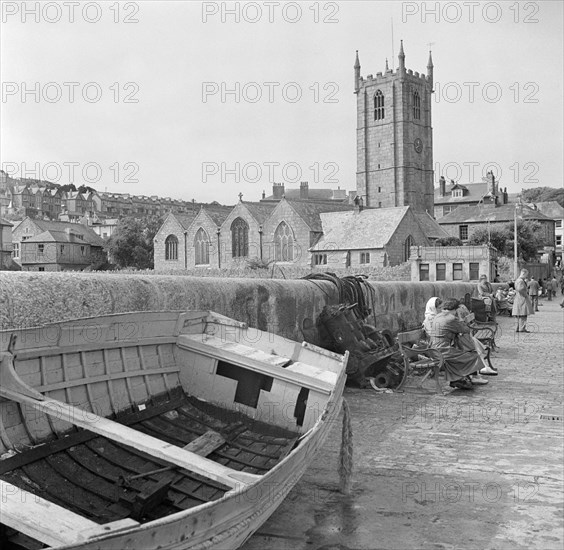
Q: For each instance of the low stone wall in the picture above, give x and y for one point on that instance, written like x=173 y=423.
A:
x=286 y=307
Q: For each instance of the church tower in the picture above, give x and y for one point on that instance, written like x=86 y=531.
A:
x=395 y=137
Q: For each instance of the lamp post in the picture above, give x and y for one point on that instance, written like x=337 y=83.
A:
x=515 y=248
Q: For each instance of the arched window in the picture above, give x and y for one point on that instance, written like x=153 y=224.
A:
x=240 y=238
x=283 y=243
x=416 y=105
x=409 y=242
x=171 y=248
x=379 y=105
x=201 y=247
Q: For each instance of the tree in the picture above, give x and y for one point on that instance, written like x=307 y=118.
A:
x=542 y=194
x=502 y=238
x=496 y=236
x=448 y=241
x=131 y=244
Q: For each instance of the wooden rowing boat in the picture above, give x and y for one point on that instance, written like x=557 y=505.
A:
x=167 y=430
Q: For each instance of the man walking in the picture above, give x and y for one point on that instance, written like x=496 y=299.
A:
x=534 y=293
x=522 y=304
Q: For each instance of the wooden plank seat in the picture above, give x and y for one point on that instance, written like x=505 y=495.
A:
x=254 y=359
x=422 y=365
x=47 y=522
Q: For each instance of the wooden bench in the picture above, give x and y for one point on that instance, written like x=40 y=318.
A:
x=421 y=363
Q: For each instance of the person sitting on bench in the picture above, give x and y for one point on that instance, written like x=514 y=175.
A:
x=459 y=364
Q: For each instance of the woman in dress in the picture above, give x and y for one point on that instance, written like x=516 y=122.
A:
x=459 y=364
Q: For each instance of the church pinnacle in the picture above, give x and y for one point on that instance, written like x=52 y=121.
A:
x=356 y=74
x=401 y=58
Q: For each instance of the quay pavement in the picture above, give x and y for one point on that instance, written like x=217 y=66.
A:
x=481 y=469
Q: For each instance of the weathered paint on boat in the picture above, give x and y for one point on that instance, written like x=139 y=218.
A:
x=230 y=520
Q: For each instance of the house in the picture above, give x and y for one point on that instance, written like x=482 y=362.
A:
x=465 y=220
x=553 y=210
x=368 y=237
x=449 y=198
x=453 y=263
x=81 y=245
x=5 y=244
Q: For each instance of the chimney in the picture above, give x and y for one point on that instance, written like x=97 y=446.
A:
x=304 y=190
x=69 y=233
x=491 y=183
x=263 y=195
x=278 y=190
x=505 y=196
x=442 y=186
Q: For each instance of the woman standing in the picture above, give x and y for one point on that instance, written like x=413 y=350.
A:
x=522 y=306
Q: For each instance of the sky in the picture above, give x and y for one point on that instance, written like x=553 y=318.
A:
x=207 y=100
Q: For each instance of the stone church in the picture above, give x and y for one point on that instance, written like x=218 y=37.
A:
x=394 y=171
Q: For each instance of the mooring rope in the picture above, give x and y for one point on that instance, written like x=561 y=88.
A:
x=346 y=454
x=352 y=289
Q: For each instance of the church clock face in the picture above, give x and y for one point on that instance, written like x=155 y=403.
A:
x=418 y=144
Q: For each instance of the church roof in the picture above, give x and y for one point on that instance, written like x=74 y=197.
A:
x=310 y=211
x=429 y=226
x=368 y=229
x=185 y=220
x=478 y=214
x=217 y=212
x=260 y=212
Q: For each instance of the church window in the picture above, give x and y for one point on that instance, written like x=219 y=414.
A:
x=379 y=105
x=365 y=257
x=409 y=242
x=171 y=248
x=416 y=105
x=283 y=243
x=240 y=238
x=201 y=247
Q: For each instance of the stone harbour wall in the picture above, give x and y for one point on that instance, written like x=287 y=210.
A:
x=286 y=307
